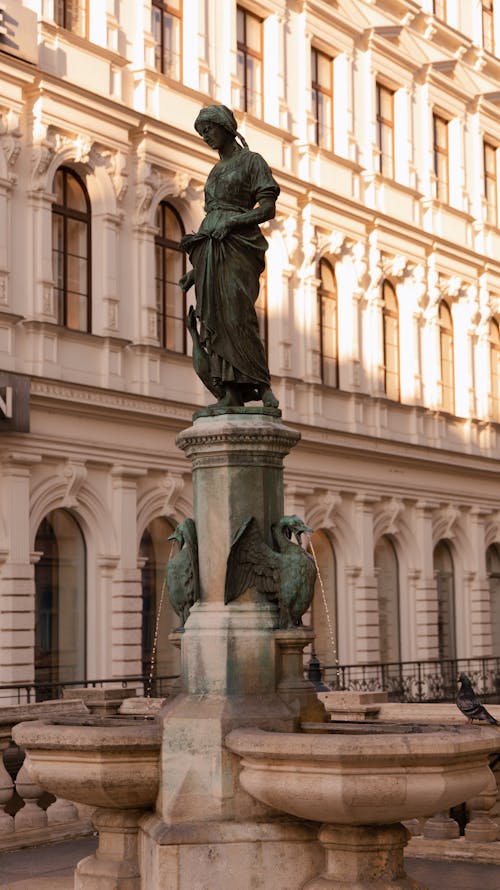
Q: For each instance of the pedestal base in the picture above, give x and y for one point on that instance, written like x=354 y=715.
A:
x=364 y=858
x=115 y=865
x=277 y=855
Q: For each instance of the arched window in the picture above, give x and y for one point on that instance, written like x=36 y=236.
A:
x=446 y=358
x=495 y=368
x=327 y=324
x=60 y=601
x=390 y=316
x=324 y=614
x=387 y=573
x=445 y=582
x=170 y=266
x=155 y=550
x=71 y=242
x=493 y=570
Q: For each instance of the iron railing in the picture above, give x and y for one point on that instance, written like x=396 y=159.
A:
x=27 y=693
x=433 y=680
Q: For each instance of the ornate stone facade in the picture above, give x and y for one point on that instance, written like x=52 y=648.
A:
x=384 y=481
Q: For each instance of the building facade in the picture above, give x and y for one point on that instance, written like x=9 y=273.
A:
x=380 y=309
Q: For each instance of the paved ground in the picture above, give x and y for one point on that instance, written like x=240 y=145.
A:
x=51 y=868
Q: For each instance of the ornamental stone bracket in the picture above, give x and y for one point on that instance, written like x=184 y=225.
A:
x=10 y=139
x=50 y=142
x=74 y=474
x=153 y=180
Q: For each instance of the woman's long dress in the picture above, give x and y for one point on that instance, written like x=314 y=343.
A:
x=227 y=271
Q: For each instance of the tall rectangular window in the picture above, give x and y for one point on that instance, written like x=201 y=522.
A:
x=322 y=98
x=385 y=130
x=439 y=9
x=166 y=28
x=327 y=325
x=490 y=183
x=249 y=60
x=488 y=26
x=72 y=15
x=441 y=168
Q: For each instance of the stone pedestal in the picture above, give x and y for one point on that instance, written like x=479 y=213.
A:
x=298 y=693
x=207 y=830
x=364 y=858
x=115 y=865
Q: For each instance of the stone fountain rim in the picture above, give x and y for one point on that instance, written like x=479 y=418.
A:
x=41 y=734
x=287 y=747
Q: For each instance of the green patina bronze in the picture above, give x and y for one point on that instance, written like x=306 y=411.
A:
x=285 y=575
x=181 y=573
x=227 y=255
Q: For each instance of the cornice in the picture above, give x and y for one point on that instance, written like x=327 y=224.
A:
x=43 y=390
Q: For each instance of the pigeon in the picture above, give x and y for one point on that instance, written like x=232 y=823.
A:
x=468 y=703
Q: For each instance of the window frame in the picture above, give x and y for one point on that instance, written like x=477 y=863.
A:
x=439 y=9
x=166 y=9
x=323 y=294
x=490 y=178
x=442 y=188
x=164 y=243
x=447 y=386
x=247 y=51
x=488 y=25
x=68 y=213
x=66 y=13
x=494 y=341
x=384 y=124
x=389 y=313
x=318 y=89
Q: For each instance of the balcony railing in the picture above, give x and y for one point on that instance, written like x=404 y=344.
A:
x=28 y=693
x=417 y=681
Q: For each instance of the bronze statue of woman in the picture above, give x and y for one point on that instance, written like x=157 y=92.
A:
x=227 y=255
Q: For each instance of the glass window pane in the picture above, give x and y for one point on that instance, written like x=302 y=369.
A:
x=77 y=275
x=175 y=266
x=171 y=48
x=57 y=232
x=253 y=33
x=76 y=311
x=253 y=85
x=58 y=186
x=324 y=71
x=77 y=237
x=173 y=230
x=75 y=198
x=240 y=26
x=385 y=103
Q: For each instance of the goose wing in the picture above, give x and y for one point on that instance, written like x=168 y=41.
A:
x=251 y=563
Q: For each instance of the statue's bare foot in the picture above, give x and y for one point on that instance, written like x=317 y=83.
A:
x=269 y=400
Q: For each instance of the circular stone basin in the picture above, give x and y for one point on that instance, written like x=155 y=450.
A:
x=100 y=761
x=355 y=776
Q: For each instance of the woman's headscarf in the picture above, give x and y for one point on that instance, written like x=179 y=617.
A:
x=221 y=115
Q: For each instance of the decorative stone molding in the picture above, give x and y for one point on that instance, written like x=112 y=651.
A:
x=10 y=139
x=172 y=486
x=152 y=179
x=74 y=474
x=388 y=516
x=50 y=141
x=324 y=514
x=445 y=521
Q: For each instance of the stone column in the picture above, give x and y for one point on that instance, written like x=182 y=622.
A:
x=17 y=587
x=367 y=621
x=426 y=604
x=126 y=585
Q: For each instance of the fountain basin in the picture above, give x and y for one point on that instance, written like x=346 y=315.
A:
x=104 y=762
x=361 y=778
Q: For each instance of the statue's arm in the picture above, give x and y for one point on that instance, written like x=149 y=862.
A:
x=187 y=281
